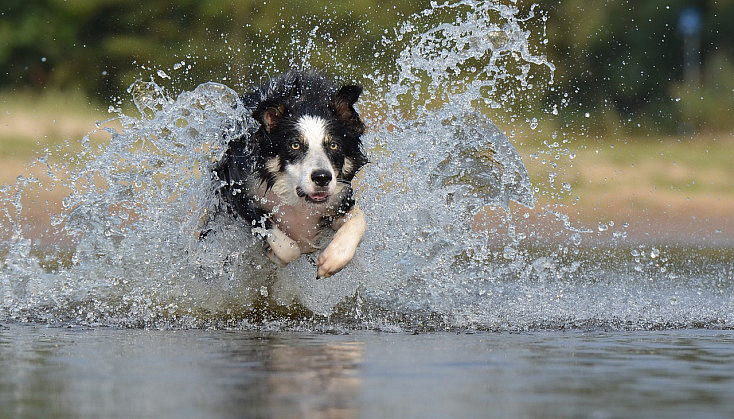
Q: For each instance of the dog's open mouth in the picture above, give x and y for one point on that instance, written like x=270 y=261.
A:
x=318 y=196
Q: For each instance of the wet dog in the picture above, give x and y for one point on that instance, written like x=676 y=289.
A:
x=290 y=176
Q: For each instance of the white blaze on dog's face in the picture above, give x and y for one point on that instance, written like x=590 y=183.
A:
x=312 y=173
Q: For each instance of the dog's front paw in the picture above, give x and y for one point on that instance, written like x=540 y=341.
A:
x=343 y=246
x=273 y=257
x=332 y=260
x=281 y=249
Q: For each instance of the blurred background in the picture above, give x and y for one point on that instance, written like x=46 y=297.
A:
x=640 y=104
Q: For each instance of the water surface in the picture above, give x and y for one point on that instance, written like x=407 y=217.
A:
x=108 y=372
x=114 y=306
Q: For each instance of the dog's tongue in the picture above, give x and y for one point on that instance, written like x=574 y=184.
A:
x=319 y=196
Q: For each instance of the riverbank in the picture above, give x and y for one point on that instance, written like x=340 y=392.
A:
x=665 y=188
x=648 y=188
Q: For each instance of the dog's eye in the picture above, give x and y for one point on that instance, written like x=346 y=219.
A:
x=295 y=145
x=333 y=146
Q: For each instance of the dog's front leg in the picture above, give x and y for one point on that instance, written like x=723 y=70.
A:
x=343 y=246
x=282 y=249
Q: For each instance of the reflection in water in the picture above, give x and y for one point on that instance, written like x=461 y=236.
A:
x=137 y=373
x=27 y=387
x=313 y=380
x=63 y=372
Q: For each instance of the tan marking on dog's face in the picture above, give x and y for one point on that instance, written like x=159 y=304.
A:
x=348 y=165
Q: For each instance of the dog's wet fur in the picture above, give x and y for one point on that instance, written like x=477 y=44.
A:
x=290 y=177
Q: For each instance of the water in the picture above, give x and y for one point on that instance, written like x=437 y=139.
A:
x=112 y=300
x=103 y=372
x=450 y=244
x=136 y=203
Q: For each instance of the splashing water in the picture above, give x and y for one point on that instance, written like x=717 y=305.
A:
x=130 y=222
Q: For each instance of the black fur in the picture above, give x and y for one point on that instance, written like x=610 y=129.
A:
x=277 y=106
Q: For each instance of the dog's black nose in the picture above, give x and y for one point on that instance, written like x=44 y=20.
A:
x=321 y=177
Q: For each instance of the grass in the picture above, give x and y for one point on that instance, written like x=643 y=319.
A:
x=33 y=122
x=659 y=182
x=667 y=186
x=690 y=167
x=693 y=165
x=30 y=122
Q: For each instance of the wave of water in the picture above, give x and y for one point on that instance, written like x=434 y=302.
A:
x=431 y=260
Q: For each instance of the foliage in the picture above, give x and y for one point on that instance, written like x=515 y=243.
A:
x=627 y=57
x=104 y=45
x=619 y=57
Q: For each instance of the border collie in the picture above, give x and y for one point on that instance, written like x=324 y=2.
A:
x=290 y=177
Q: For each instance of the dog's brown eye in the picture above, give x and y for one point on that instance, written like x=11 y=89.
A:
x=333 y=146
x=295 y=145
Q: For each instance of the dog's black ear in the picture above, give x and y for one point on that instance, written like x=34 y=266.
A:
x=269 y=113
x=343 y=106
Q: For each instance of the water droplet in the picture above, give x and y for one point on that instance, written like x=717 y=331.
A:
x=654 y=253
x=576 y=239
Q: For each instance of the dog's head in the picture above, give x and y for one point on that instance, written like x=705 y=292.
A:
x=310 y=140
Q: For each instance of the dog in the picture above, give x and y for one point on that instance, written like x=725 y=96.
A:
x=289 y=177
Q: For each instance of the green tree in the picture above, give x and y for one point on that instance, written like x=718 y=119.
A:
x=102 y=46
x=626 y=57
